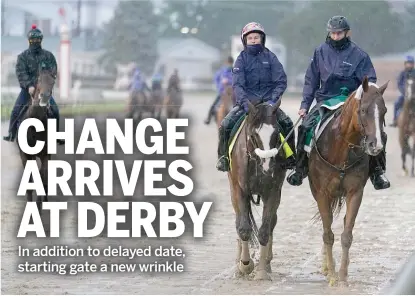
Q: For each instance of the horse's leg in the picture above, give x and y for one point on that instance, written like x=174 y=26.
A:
x=403 y=141
x=324 y=266
x=25 y=157
x=269 y=221
x=413 y=157
x=403 y=156
x=353 y=204
x=324 y=207
x=241 y=205
x=44 y=176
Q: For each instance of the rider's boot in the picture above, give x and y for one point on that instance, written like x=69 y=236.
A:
x=10 y=137
x=287 y=125
x=301 y=169
x=209 y=117
x=211 y=111
x=12 y=126
x=378 y=168
x=223 y=160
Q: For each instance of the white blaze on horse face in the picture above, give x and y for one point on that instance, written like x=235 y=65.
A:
x=379 y=144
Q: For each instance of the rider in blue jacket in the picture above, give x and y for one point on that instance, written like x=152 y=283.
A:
x=335 y=64
x=258 y=77
x=409 y=67
x=224 y=70
x=137 y=85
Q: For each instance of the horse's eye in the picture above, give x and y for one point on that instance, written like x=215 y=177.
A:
x=363 y=111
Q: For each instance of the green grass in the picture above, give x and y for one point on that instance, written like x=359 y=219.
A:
x=73 y=110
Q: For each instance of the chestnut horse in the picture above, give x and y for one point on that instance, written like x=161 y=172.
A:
x=339 y=167
x=406 y=124
x=248 y=177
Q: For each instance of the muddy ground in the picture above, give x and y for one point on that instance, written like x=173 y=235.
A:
x=384 y=235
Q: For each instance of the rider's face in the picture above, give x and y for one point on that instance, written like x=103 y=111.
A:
x=253 y=38
x=409 y=66
x=337 y=35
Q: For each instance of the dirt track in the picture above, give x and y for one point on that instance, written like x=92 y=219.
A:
x=384 y=234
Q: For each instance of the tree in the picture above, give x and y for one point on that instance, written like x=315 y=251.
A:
x=132 y=35
x=373 y=26
x=408 y=40
x=179 y=14
x=216 y=21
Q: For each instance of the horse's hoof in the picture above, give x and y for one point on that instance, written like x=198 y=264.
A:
x=404 y=173
x=343 y=284
x=246 y=268
x=262 y=275
x=324 y=270
x=333 y=281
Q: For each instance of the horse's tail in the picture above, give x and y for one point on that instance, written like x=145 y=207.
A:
x=336 y=206
x=255 y=231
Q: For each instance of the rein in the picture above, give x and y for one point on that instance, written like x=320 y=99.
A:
x=342 y=170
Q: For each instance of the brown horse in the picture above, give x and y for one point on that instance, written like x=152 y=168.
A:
x=174 y=99
x=339 y=167
x=248 y=177
x=138 y=105
x=157 y=102
x=406 y=124
x=38 y=108
x=226 y=102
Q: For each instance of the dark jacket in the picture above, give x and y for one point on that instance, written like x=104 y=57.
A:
x=28 y=64
x=258 y=78
x=331 y=69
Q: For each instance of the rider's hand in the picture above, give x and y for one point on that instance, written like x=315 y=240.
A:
x=31 y=90
x=302 y=112
x=245 y=106
x=270 y=102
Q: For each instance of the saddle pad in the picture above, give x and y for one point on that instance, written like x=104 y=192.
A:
x=234 y=135
x=327 y=112
x=235 y=128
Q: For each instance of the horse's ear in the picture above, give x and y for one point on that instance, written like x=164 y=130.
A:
x=383 y=87
x=251 y=108
x=365 y=84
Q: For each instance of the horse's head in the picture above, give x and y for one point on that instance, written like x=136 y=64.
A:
x=261 y=114
x=44 y=87
x=370 y=116
x=410 y=87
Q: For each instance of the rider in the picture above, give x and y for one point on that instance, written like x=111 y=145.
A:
x=27 y=66
x=266 y=83
x=156 y=82
x=174 y=81
x=323 y=80
x=138 y=85
x=226 y=70
x=409 y=67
